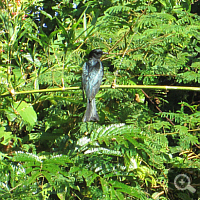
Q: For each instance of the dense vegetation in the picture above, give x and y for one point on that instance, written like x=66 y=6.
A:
x=47 y=152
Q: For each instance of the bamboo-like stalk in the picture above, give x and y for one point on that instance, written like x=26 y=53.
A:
x=156 y=87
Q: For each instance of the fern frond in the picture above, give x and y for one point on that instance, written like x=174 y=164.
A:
x=26 y=157
x=104 y=151
x=121 y=187
x=149 y=20
x=58 y=159
x=187 y=77
x=106 y=133
x=177 y=117
x=117 y=9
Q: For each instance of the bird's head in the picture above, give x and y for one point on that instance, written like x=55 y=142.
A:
x=96 y=53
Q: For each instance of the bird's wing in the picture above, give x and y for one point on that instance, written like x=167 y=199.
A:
x=84 y=75
x=84 y=78
x=94 y=80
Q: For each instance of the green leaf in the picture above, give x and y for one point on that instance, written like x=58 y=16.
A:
x=10 y=114
x=46 y=14
x=32 y=178
x=5 y=136
x=28 y=57
x=26 y=112
x=121 y=187
x=88 y=175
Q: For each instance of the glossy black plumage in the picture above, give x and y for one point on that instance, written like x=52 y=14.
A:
x=91 y=80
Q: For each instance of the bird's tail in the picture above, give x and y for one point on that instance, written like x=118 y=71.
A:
x=91 y=112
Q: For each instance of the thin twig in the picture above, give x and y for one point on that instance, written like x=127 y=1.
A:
x=177 y=132
x=157 y=107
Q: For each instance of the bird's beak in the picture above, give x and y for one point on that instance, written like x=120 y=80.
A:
x=105 y=53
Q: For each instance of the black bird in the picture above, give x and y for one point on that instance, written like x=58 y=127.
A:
x=91 y=80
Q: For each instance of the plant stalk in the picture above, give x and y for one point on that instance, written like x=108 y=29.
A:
x=156 y=87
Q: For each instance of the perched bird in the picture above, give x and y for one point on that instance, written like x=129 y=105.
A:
x=91 y=80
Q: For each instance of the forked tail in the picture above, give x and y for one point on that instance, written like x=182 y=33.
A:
x=91 y=112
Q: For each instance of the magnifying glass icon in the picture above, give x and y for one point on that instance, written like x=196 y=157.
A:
x=181 y=184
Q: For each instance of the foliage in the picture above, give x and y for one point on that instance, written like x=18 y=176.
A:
x=46 y=151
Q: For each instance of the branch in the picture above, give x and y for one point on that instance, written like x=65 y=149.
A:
x=156 y=87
